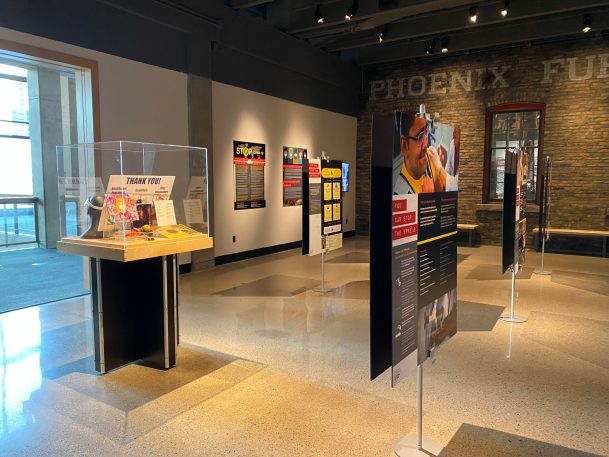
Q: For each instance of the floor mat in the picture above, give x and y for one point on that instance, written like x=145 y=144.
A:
x=34 y=276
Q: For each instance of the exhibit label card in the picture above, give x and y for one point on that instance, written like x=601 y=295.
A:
x=165 y=212
x=142 y=187
x=193 y=211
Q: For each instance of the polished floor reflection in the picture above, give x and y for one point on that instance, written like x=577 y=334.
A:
x=268 y=367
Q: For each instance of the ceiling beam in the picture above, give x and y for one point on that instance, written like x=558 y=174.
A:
x=335 y=12
x=509 y=34
x=457 y=20
x=243 y=4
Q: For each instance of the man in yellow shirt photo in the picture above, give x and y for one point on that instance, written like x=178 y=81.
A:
x=421 y=170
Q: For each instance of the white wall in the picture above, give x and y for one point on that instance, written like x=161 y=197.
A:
x=138 y=102
x=243 y=115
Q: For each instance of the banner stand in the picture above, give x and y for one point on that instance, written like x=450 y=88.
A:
x=541 y=271
x=418 y=445
x=513 y=317
x=322 y=288
x=544 y=216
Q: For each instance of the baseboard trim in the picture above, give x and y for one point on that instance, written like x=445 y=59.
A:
x=221 y=260
x=185 y=268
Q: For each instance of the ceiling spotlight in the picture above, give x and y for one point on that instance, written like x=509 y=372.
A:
x=431 y=48
x=352 y=10
x=384 y=33
x=473 y=14
x=444 y=44
x=587 y=24
x=319 y=17
x=506 y=8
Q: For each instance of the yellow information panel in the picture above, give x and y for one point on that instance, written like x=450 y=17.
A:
x=327 y=213
x=327 y=191
x=331 y=173
x=336 y=212
x=336 y=191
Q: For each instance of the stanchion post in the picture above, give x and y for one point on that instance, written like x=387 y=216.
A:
x=322 y=287
x=417 y=445
x=513 y=317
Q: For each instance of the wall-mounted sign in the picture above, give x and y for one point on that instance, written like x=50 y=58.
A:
x=292 y=175
x=249 y=160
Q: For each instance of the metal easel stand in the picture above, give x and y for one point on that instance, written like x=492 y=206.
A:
x=513 y=317
x=418 y=445
x=322 y=288
x=541 y=271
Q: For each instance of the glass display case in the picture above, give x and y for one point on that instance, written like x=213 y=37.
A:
x=131 y=196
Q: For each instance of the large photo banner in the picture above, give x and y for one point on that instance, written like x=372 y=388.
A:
x=422 y=264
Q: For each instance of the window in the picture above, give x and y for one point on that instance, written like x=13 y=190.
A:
x=15 y=157
x=510 y=126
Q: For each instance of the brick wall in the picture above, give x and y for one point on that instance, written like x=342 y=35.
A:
x=574 y=88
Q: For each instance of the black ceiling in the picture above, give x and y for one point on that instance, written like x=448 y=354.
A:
x=411 y=25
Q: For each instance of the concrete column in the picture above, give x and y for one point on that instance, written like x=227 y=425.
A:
x=200 y=134
x=44 y=93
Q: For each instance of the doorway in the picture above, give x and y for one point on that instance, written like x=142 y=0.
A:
x=46 y=100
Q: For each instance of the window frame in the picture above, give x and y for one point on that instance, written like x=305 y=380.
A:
x=508 y=108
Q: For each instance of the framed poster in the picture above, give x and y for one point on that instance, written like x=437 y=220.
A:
x=292 y=175
x=249 y=160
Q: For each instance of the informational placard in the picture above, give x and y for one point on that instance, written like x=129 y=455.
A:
x=313 y=208
x=193 y=211
x=332 y=227
x=404 y=236
x=144 y=190
x=249 y=160
x=414 y=198
x=141 y=187
x=165 y=212
x=515 y=209
x=292 y=175
x=195 y=203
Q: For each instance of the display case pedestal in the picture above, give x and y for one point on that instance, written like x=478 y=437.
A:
x=135 y=312
x=135 y=297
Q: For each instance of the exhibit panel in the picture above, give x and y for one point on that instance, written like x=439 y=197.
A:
x=322 y=221
x=249 y=160
x=413 y=240
x=515 y=209
x=142 y=204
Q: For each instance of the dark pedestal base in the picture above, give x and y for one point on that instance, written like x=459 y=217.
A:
x=135 y=312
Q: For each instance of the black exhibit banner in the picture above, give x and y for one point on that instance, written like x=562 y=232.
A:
x=249 y=160
x=292 y=175
x=515 y=209
x=413 y=243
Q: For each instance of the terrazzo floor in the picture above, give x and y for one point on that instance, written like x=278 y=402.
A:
x=268 y=367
